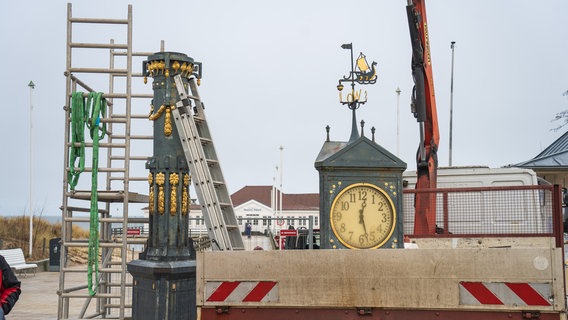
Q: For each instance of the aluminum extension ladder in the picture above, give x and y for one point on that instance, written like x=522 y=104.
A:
x=206 y=173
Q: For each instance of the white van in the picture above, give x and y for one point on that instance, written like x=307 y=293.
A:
x=499 y=212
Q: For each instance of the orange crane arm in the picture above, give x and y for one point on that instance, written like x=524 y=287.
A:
x=424 y=108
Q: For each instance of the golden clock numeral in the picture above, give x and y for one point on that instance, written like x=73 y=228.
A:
x=364 y=238
x=337 y=215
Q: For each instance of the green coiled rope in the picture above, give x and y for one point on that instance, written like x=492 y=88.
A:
x=89 y=114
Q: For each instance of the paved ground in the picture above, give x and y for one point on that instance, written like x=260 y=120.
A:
x=39 y=299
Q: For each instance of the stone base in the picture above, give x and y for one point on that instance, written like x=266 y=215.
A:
x=163 y=290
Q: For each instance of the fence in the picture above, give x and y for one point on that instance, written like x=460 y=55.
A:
x=488 y=211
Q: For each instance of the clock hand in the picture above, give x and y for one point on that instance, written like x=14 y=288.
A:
x=361 y=217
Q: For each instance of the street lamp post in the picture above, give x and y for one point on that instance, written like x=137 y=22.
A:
x=451 y=102
x=281 y=169
x=398 y=121
x=32 y=86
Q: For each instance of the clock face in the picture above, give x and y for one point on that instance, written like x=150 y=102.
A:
x=362 y=216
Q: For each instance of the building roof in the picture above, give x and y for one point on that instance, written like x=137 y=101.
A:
x=263 y=194
x=554 y=156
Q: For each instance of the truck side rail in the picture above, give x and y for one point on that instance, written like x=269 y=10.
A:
x=511 y=211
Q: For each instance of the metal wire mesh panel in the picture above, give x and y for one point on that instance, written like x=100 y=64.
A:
x=486 y=211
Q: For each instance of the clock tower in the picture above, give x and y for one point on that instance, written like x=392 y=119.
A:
x=360 y=182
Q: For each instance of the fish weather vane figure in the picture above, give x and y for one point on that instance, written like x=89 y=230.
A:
x=360 y=73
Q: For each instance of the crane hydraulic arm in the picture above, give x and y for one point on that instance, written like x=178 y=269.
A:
x=423 y=107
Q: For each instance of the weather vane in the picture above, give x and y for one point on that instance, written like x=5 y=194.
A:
x=363 y=75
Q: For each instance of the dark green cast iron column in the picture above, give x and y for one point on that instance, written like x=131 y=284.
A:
x=164 y=285
x=169 y=175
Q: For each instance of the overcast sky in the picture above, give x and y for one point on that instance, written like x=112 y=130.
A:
x=270 y=75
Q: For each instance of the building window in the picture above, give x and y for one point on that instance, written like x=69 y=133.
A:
x=264 y=221
x=255 y=222
x=316 y=221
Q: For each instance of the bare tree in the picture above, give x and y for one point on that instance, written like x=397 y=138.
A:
x=561 y=116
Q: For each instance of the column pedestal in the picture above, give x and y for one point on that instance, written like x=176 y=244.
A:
x=163 y=290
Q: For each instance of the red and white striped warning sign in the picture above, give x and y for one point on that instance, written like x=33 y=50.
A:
x=241 y=291
x=505 y=293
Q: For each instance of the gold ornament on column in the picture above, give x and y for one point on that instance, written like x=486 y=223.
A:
x=158 y=113
x=151 y=203
x=160 y=179
x=185 y=194
x=175 y=66
x=174 y=179
x=168 y=122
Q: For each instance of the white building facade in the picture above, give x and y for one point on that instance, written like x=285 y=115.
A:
x=267 y=209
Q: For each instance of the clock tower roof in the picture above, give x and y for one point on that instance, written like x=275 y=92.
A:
x=360 y=153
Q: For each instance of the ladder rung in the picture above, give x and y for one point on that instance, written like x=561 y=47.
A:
x=98 y=21
x=98 y=45
x=132 y=116
x=139 y=116
x=86 y=295
x=134 y=54
x=133 y=137
x=212 y=162
x=76 y=244
x=205 y=140
x=131 y=158
x=83 y=270
x=138 y=240
x=232 y=227
x=88 y=169
x=218 y=183
x=98 y=70
x=101 y=145
x=107 y=220
x=109 y=196
x=79 y=209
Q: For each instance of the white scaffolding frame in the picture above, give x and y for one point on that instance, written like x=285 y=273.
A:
x=117 y=191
